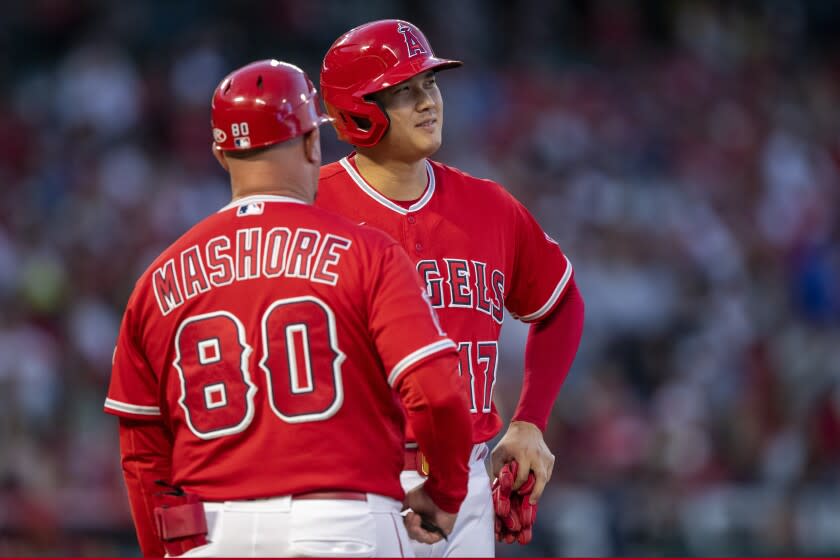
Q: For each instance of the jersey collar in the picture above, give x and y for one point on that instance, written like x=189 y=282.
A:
x=382 y=199
x=261 y=198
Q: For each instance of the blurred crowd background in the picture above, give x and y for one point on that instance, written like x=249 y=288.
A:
x=684 y=153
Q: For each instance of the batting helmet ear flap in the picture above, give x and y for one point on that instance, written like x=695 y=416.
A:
x=362 y=124
x=381 y=106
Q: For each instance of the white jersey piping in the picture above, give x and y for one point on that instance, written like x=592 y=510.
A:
x=382 y=199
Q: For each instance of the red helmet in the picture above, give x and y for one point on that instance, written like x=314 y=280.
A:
x=367 y=59
x=264 y=103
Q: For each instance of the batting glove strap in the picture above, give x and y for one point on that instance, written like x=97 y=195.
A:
x=180 y=521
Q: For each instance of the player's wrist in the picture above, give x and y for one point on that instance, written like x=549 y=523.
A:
x=528 y=424
x=445 y=499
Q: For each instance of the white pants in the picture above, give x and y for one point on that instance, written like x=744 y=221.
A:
x=283 y=527
x=473 y=534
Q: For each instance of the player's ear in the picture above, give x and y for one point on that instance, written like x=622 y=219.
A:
x=220 y=156
x=312 y=146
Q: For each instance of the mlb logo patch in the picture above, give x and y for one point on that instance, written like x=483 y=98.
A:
x=251 y=209
x=242 y=142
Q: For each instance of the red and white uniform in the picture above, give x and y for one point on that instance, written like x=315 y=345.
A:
x=478 y=251
x=269 y=339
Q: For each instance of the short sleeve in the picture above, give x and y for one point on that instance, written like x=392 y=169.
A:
x=403 y=325
x=133 y=392
x=541 y=270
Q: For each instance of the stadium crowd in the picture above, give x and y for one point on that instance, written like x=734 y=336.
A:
x=685 y=155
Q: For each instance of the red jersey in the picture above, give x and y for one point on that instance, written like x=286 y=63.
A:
x=268 y=338
x=478 y=251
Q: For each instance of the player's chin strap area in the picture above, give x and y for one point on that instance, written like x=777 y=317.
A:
x=179 y=519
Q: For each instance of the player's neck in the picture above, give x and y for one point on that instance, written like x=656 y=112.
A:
x=398 y=180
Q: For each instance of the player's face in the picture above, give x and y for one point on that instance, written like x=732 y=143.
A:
x=415 y=109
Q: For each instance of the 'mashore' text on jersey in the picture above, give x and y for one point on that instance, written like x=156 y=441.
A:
x=302 y=253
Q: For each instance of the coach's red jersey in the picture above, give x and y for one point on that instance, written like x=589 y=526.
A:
x=269 y=338
x=477 y=249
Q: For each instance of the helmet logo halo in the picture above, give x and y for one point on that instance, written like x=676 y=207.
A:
x=414 y=45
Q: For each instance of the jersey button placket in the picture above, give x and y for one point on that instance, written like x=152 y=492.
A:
x=418 y=247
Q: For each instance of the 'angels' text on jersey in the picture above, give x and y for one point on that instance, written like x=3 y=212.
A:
x=469 y=285
x=478 y=251
x=248 y=254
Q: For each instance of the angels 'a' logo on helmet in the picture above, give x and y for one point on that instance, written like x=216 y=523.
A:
x=412 y=42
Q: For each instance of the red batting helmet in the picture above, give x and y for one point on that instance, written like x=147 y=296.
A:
x=367 y=59
x=264 y=103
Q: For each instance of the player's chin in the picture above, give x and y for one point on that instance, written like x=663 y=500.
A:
x=428 y=144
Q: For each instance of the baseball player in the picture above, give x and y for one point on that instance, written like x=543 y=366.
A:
x=263 y=360
x=477 y=250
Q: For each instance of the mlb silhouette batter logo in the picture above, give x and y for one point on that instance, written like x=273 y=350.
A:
x=412 y=42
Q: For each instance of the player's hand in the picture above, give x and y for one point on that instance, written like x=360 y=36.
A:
x=523 y=442
x=423 y=508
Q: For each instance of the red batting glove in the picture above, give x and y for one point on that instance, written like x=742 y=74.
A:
x=521 y=501
x=527 y=510
x=179 y=520
x=507 y=524
x=515 y=515
x=502 y=487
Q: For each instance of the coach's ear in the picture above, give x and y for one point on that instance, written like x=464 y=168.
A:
x=312 y=146
x=220 y=156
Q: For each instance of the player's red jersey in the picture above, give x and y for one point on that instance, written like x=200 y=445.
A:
x=269 y=338
x=477 y=249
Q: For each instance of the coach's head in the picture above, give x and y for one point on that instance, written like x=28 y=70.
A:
x=265 y=118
